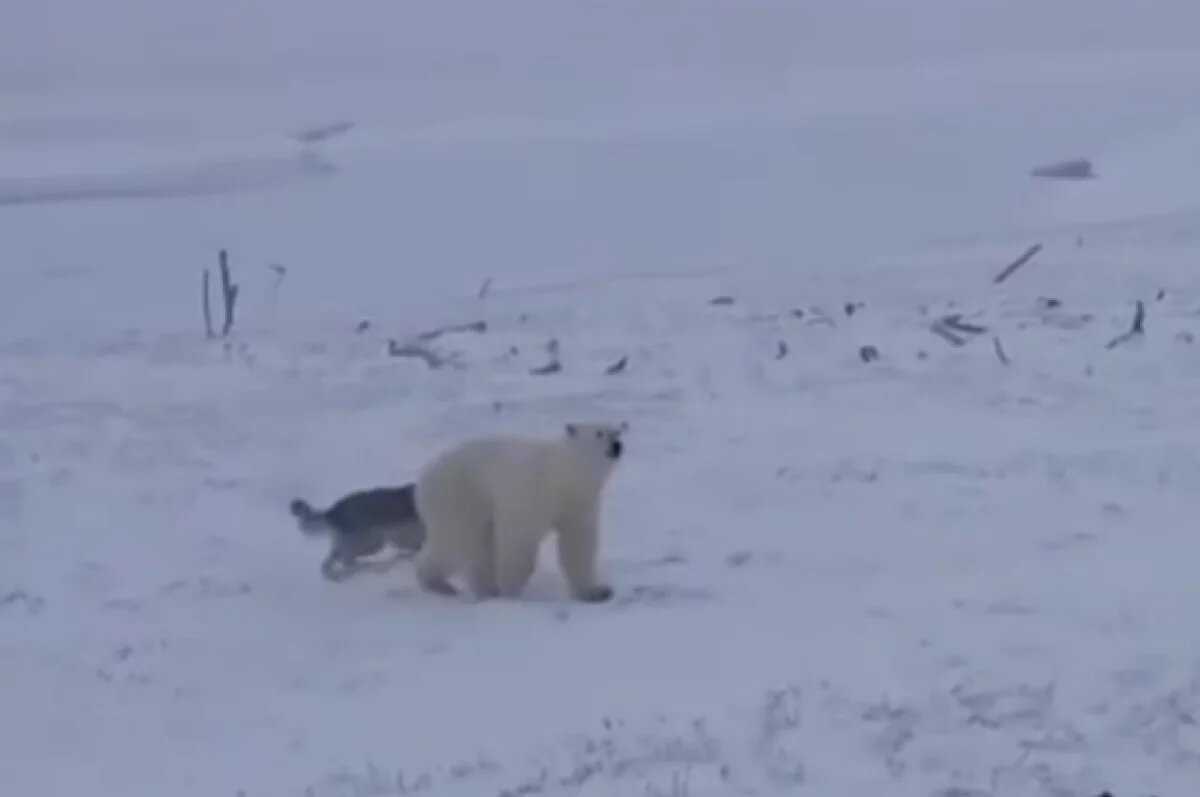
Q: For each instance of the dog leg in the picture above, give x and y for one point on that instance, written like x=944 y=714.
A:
x=335 y=568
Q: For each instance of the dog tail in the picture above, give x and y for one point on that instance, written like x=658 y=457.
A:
x=310 y=521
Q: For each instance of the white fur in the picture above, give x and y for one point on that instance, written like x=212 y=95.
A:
x=488 y=503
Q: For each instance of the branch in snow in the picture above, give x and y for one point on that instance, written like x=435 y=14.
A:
x=998 y=347
x=954 y=330
x=552 y=367
x=946 y=334
x=1136 y=329
x=433 y=334
x=206 y=307
x=955 y=323
x=230 y=293
x=1012 y=267
x=618 y=366
x=314 y=134
x=415 y=350
x=1073 y=169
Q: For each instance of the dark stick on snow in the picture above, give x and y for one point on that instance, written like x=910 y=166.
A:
x=206 y=305
x=474 y=326
x=999 y=348
x=315 y=134
x=485 y=287
x=1011 y=268
x=781 y=350
x=229 y=291
x=397 y=349
x=618 y=366
x=955 y=323
x=1136 y=329
x=945 y=334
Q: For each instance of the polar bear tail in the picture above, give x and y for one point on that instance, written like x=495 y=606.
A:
x=310 y=521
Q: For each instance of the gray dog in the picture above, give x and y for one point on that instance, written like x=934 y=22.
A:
x=361 y=524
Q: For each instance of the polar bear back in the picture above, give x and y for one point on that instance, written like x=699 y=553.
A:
x=468 y=485
x=494 y=466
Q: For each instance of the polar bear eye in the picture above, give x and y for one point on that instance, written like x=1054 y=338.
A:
x=599 y=434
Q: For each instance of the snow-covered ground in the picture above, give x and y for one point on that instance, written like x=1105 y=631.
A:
x=951 y=570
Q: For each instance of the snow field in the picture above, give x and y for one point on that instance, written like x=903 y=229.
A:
x=982 y=590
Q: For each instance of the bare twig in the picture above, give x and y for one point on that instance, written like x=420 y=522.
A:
x=485 y=288
x=721 y=301
x=552 y=367
x=1136 y=329
x=952 y=329
x=206 y=306
x=433 y=334
x=314 y=134
x=999 y=349
x=417 y=351
x=1073 y=169
x=1011 y=268
x=781 y=350
x=945 y=334
x=229 y=291
x=868 y=354
x=955 y=323
x=618 y=366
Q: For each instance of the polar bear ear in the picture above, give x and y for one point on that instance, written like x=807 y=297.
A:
x=572 y=429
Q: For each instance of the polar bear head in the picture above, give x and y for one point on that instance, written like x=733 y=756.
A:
x=595 y=446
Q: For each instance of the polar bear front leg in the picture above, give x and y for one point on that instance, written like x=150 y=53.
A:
x=481 y=570
x=578 y=539
x=516 y=550
x=432 y=573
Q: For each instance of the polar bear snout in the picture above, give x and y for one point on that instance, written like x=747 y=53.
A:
x=615 y=448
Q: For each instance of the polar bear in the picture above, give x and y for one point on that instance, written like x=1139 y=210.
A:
x=488 y=503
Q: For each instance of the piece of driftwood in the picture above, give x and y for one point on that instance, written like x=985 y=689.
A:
x=947 y=335
x=229 y=293
x=618 y=366
x=1071 y=169
x=955 y=323
x=998 y=347
x=417 y=351
x=1136 y=329
x=206 y=306
x=313 y=135
x=552 y=367
x=1012 y=267
x=433 y=334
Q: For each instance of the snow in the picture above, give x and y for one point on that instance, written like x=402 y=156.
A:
x=931 y=574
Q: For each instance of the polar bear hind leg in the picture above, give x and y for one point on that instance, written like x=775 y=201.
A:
x=577 y=543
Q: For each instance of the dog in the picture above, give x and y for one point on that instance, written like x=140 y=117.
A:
x=361 y=524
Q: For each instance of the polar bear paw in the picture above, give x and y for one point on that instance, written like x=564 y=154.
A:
x=597 y=593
